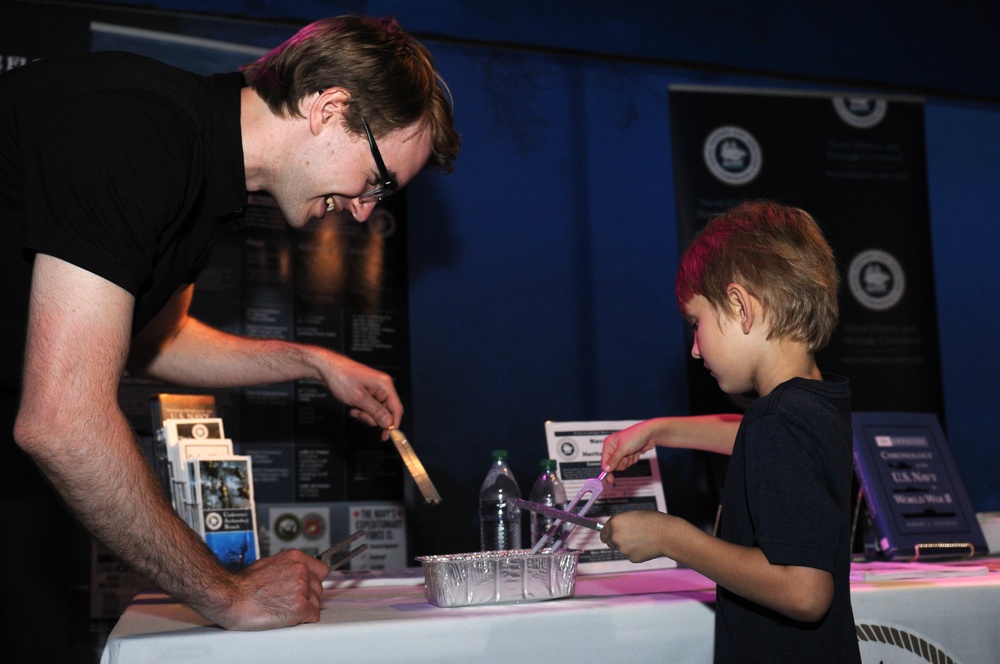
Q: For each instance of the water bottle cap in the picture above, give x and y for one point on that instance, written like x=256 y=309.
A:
x=499 y=454
x=547 y=464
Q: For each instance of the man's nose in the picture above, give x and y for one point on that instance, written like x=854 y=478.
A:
x=360 y=210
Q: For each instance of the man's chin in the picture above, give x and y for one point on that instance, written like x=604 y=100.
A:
x=295 y=218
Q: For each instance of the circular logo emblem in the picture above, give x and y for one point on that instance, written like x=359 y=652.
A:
x=313 y=526
x=568 y=449
x=732 y=155
x=199 y=431
x=382 y=223
x=876 y=280
x=891 y=643
x=287 y=527
x=213 y=520
x=860 y=112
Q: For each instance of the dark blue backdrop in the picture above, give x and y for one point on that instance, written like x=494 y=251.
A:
x=542 y=269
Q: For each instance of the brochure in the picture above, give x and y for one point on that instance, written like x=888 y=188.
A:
x=223 y=508
x=576 y=447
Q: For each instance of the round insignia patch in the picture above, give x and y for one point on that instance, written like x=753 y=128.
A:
x=287 y=527
x=732 y=155
x=313 y=526
x=213 y=520
x=876 y=280
x=568 y=449
x=860 y=112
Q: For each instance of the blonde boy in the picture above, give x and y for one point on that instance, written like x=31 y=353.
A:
x=759 y=287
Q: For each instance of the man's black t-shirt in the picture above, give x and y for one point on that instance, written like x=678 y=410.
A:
x=124 y=167
x=119 y=164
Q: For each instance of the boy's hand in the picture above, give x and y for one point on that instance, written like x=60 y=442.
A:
x=623 y=448
x=638 y=534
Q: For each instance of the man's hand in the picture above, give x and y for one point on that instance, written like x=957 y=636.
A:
x=369 y=393
x=278 y=591
x=179 y=349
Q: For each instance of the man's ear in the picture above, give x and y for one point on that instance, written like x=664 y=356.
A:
x=326 y=108
x=743 y=306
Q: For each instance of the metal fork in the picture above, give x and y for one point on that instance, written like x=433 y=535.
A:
x=593 y=486
x=338 y=554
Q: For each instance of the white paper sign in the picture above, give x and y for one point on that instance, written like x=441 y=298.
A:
x=385 y=535
x=576 y=447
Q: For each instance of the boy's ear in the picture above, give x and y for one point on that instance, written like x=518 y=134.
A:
x=743 y=306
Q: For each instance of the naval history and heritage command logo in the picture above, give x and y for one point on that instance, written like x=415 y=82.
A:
x=860 y=112
x=876 y=280
x=732 y=155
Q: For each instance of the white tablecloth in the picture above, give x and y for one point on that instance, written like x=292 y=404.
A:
x=652 y=616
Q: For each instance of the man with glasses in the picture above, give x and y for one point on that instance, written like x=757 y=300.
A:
x=115 y=173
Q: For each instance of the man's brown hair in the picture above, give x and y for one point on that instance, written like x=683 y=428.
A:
x=389 y=74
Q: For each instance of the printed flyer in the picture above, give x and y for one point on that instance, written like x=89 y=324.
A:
x=576 y=447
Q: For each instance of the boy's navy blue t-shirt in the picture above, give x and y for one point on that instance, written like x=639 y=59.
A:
x=788 y=492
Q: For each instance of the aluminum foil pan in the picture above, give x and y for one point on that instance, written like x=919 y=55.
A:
x=493 y=577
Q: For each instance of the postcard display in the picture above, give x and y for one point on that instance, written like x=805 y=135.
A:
x=209 y=486
x=317 y=473
x=912 y=489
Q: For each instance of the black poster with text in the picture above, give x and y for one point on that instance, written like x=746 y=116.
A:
x=334 y=283
x=858 y=166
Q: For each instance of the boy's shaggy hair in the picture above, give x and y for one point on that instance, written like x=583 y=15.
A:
x=780 y=256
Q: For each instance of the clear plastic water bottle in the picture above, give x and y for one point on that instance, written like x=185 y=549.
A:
x=547 y=490
x=499 y=514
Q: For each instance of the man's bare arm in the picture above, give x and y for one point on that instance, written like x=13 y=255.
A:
x=180 y=349
x=70 y=423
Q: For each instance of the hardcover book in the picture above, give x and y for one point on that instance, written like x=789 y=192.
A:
x=180 y=407
x=912 y=489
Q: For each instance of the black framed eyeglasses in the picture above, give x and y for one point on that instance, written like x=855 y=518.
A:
x=387 y=187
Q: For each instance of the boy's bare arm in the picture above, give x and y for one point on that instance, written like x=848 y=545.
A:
x=711 y=433
x=801 y=593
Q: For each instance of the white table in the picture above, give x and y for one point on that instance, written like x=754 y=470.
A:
x=651 y=616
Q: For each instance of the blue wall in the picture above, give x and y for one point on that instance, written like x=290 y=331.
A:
x=542 y=287
x=542 y=269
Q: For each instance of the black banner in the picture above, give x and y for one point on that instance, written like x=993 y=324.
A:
x=858 y=166
x=334 y=283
